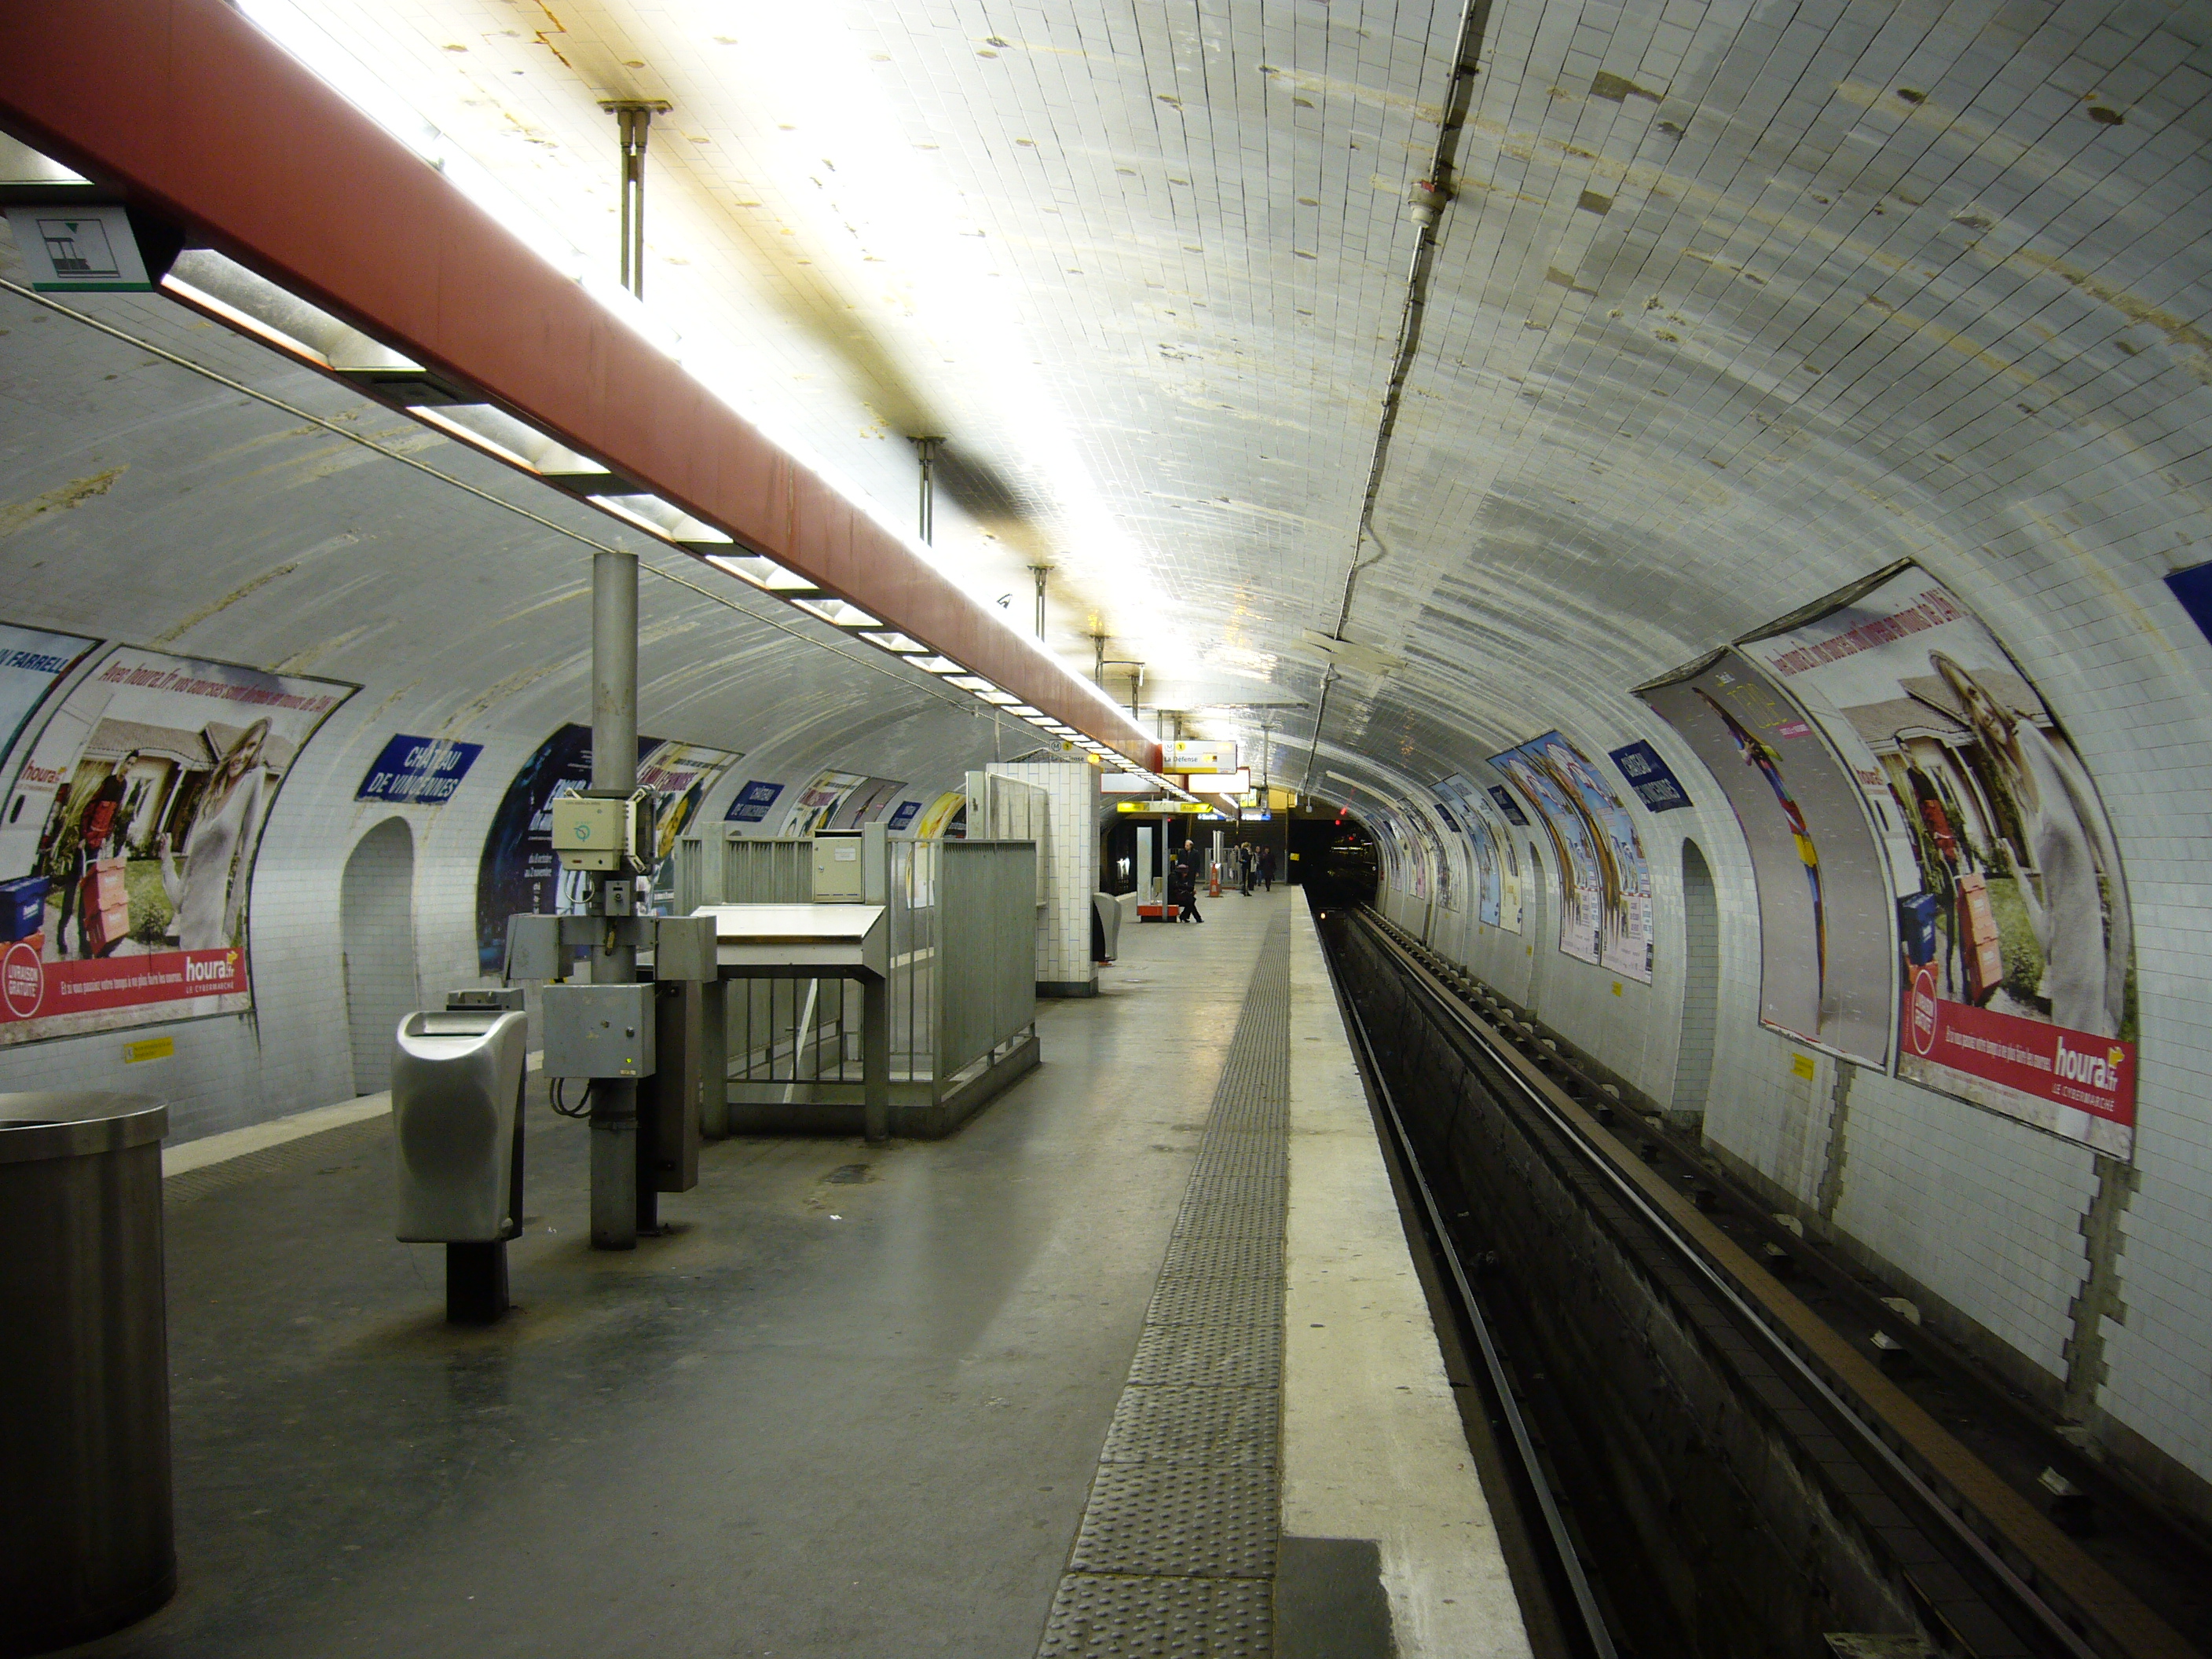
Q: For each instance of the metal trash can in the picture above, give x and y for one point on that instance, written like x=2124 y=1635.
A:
x=457 y=1083
x=86 y=1541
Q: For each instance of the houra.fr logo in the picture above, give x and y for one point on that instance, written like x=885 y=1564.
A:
x=197 y=971
x=2094 y=1070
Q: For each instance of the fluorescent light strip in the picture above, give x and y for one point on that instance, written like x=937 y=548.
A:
x=764 y=573
x=840 y=613
x=708 y=360
x=257 y=308
x=502 y=437
x=658 y=518
x=260 y=309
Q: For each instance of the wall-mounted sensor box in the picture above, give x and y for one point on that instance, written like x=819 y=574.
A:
x=598 y=1031
x=595 y=833
x=839 y=876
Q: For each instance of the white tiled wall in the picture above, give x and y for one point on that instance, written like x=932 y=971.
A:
x=1063 y=950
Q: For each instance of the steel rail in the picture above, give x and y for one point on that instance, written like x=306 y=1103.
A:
x=1779 y=1348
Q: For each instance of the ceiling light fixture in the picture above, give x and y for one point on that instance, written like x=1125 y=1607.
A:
x=658 y=518
x=839 y=613
x=254 y=306
x=500 y=435
x=764 y=573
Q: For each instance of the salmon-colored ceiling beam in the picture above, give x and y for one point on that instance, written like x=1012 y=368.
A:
x=195 y=115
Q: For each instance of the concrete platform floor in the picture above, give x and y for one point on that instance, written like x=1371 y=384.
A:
x=821 y=1418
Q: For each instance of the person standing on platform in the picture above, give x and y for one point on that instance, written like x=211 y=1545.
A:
x=1268 y=867
x=1248 y=867
x=1182 y=889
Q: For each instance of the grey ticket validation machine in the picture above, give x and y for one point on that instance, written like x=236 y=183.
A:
x=457 y=1081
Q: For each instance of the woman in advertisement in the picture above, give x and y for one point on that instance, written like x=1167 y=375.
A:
x=2085 y=975
x=203 y=886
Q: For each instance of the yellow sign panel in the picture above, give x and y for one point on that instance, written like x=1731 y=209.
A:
x=1801 y=1065
x=1159 y=809
x=151 y=1048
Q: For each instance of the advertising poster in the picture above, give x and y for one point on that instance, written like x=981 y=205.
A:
x=2017 y=944
x=1409 y=869
x=1497 y=870
x=1825 y=957
x=1435 y=858
x=130 y=839
x=31 y=663
x=839 y=800
x=1605 y=910
x=1508 y=805
x=518 y=872
x=946 y=814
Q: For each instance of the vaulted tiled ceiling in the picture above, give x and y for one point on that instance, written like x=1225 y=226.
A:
x=1734 y=302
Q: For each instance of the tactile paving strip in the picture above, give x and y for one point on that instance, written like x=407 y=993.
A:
x=1176 y=1554
x=1180 y=1519
x=1194 y=1356
x=1096 y=1616
x=1220 y=1426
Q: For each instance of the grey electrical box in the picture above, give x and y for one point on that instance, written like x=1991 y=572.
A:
x=684 y=948
x=840 y=874
x=533 y=948
x=598 y=1031
x=505 y=999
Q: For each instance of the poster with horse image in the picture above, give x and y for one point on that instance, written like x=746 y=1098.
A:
x=130 y=839
x=2016 y=942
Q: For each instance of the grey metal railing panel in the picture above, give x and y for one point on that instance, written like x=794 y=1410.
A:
x=986 y=967
x=962 y=925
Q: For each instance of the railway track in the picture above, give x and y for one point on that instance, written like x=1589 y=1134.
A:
x=1923 y=1540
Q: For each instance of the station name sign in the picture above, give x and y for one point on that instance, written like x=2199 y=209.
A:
x=425 y=770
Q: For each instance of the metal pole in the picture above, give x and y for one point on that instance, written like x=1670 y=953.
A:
x=926 y=505
x=633 y=121
x=876 y=1059
x=616 y=1192
x=1040 y=571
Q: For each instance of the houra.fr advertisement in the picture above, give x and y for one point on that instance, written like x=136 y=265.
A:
x=128 y=845
x=2016 y=943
